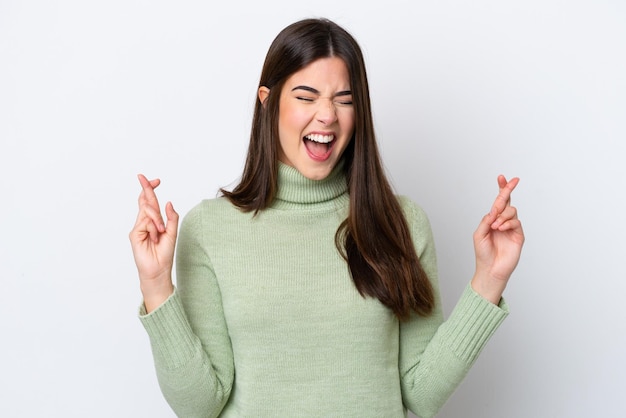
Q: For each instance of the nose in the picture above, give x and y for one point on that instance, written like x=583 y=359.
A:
x=326 y=112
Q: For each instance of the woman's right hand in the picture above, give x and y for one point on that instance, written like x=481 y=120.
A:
x=153 y=244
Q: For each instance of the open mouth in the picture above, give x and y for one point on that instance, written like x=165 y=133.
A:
x=319 y=146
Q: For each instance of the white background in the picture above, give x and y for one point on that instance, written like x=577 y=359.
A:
x=94 y=92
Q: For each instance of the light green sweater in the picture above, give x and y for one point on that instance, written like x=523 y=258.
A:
x=266 y=322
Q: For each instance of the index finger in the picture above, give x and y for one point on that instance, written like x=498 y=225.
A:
x=504 y=196
x=148 y=187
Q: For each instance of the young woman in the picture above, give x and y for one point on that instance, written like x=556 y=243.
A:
x=310 y=289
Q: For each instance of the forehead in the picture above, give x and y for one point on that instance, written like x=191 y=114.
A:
x=330 y=72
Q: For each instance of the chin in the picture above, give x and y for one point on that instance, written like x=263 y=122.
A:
x=316 y=173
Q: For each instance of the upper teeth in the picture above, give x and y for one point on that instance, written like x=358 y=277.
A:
x=324 y=139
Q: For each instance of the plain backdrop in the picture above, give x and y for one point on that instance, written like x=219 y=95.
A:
x=94 y=92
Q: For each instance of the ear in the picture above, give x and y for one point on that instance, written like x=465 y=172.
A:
x=263 y=93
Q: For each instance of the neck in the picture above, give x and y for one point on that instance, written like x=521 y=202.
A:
x=295 y=190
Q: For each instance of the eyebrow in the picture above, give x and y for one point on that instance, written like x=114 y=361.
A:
x=315 y=91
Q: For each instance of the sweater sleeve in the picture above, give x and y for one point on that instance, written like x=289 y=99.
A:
x=188 y=335
x=435 y=355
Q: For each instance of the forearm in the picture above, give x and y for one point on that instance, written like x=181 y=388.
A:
x=450 y=353
x=190 y=382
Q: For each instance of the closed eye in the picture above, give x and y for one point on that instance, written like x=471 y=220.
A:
x=344 y=98
x=344 y=102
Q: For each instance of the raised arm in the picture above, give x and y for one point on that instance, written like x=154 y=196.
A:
x=186 y=325
x=435 y=356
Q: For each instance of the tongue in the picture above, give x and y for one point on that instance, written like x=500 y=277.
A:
x=316 y=148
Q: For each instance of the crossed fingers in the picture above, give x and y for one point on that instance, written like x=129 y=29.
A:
x=149 y=210
x=502 y=212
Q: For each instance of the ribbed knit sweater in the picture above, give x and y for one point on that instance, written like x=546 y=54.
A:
x=265 y=320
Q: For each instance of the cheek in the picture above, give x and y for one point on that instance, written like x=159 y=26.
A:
x=292 y=120
x=347 y=123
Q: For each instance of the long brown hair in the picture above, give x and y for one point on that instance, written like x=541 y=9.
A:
x=374 y=239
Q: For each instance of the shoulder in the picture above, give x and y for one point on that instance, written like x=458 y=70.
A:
x=210 y=211
x=419 y=225
x=414 y=213
x=210 y=221
x=210 y=205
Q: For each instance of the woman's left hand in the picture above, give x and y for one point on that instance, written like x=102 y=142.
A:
x=498 y=242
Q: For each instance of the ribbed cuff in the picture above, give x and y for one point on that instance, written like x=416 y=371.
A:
x=172 y=340
x=472 y=322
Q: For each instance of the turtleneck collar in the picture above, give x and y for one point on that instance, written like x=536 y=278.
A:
x=297 y=191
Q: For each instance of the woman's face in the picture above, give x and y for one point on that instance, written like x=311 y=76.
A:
x=316 y=117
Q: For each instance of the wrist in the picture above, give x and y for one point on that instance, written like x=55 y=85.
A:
x=488 y=288
x=154 y=294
